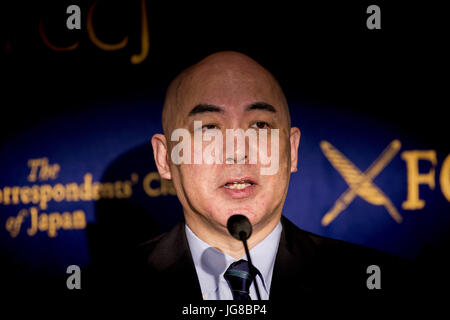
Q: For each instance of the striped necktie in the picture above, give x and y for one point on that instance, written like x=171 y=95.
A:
x=239 y=279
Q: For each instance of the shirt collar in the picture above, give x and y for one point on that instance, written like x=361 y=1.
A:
x=211 y=263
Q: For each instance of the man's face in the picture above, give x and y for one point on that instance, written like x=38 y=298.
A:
x=235 y=100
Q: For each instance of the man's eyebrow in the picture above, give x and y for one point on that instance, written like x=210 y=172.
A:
x=261 y=106
x=202 y=108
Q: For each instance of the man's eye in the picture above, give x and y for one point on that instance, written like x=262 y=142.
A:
x=209 y=127
x=260 y=125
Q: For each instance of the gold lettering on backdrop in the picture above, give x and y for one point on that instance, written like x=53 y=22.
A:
x=42 y=170
x=55 y=221
x=34 y=221
x=71 y=192
x=86 y=188
x=413 y=202
x=145 y=42
x=34 y=166
x=15 y=195
x=360 y=184
x=40 y=195
x=46 y=222
x=135 y=58
x=95 y=40
x=13 y=224
x=6 y=192
x=25 y=195
x=444 y=178
x=166 y=186
x=51 y=45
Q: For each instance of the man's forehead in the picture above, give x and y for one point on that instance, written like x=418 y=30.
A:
x=231 y=94
x=226 y=84
x=229 y=80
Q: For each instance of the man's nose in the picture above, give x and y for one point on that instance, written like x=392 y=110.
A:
x=239 y=154
x=236 y=159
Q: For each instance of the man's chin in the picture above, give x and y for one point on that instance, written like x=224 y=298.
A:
x=250 y=214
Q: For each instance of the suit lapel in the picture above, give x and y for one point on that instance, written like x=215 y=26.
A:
x=172 y=262
x=294 y=274
x=294 y=270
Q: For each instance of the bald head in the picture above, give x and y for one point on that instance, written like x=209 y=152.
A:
x=223 y=78
x=227 y=92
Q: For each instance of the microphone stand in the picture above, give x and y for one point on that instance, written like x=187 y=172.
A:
x=243 y=237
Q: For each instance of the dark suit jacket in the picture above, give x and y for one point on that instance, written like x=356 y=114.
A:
x=308 y=267
x=306 y=264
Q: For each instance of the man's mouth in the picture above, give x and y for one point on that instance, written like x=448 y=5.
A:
x=238 y=185
x=239 y=188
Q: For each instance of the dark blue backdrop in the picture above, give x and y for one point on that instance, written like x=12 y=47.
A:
x=111 y=141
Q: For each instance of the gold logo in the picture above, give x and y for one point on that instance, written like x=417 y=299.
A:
x=360 y=183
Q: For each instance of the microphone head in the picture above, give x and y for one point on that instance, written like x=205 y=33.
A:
x=239 y=227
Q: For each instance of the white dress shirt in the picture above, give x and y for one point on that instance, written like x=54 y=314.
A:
x=211 y=265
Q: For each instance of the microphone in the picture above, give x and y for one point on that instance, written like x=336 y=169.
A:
x=240 y=228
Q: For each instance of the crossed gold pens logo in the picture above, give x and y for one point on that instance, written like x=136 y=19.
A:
x=360 y=183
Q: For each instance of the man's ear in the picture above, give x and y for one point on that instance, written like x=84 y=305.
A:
x=160 y=151
x=295 y=142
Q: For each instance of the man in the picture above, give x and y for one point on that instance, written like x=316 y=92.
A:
x=198 y=258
